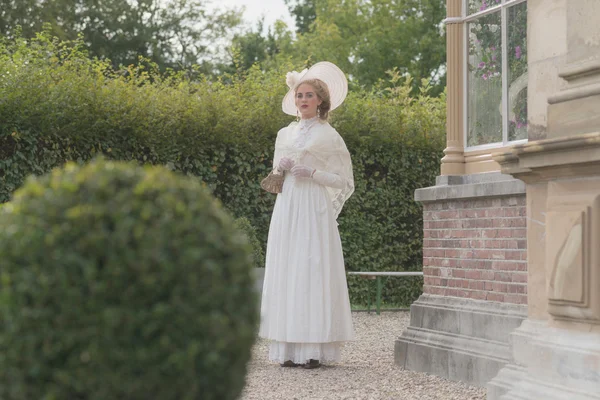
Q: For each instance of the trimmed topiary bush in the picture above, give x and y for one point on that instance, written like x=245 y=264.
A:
x=122 y=282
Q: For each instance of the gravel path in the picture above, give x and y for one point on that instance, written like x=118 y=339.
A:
x=366 y=372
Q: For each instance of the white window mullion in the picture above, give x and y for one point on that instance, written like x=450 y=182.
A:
x=479 y=14
x=473 y=16
x=465 y=80
x=504 y=16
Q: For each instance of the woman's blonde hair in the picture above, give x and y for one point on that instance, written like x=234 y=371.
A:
x=322 y=91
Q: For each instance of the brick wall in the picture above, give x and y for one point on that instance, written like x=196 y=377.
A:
x=476 y=248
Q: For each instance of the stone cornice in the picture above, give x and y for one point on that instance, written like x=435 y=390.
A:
x=548 y=159
x=580 y=70
x=457 y=187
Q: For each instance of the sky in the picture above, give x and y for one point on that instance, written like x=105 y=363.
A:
x=271 y=9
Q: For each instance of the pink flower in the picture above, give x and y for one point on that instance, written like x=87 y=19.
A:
x=518 y=52
x=481 y=65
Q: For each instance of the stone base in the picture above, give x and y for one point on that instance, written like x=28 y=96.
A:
x=489 y=184
x=458 y=339
x=549 y=364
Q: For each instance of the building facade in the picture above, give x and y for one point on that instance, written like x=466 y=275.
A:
x=511 y=250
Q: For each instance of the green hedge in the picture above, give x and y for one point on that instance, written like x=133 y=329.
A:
x=57 y=105
x=122 y=282
x=258 y=254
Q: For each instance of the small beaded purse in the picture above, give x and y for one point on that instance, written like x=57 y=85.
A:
x=273 y=183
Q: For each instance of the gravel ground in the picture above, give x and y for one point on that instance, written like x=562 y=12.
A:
x=366 y=372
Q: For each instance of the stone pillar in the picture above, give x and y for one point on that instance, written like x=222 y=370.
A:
x=453 y=162
x=574 y=110
x=546 y=52
x=556 y=351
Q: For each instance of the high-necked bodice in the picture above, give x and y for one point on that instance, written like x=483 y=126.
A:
x=303 y=132
x=305 y=124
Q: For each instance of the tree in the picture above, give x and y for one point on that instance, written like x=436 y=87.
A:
x=253 y=47
x=171 y=33
x=366 y=38
x=31 y=15
x=305 y=13
x=375 y=36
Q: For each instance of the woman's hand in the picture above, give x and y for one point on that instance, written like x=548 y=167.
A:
x=302 y=171
x=285 y=164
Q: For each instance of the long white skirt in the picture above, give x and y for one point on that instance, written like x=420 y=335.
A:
x=305 y=307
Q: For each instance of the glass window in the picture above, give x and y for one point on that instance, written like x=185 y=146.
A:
x=496 y=76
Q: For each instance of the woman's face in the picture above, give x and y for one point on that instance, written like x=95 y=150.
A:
x=307 y=101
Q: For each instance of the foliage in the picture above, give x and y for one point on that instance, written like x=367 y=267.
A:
x=304 y=12
x=379 y=35
x=57 y=105
x=122 y=282
x=364 y=37
x=252 y=47
x=258 y=255
x=171 y=33
x=368 y=38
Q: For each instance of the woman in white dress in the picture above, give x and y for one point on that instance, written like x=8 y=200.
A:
x=305 y=309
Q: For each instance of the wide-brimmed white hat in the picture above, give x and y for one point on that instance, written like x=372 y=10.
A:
x=328 y=72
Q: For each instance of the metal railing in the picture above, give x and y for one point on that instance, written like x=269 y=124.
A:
x=377 y=277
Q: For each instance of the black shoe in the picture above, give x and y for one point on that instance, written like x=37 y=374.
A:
x=311 y=364
x=289 y=364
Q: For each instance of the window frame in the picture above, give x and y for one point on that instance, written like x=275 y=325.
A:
x=466 y=19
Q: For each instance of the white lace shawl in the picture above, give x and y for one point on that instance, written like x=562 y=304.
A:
x=322 y=148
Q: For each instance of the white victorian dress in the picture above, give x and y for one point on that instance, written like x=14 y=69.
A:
x=305 y=309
